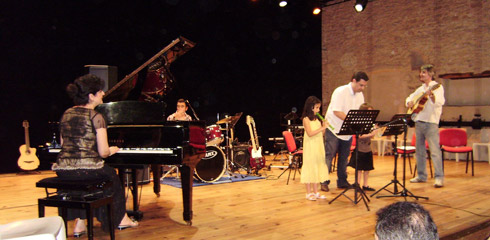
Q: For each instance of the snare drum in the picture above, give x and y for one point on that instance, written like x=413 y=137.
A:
x=214 y=136
x=212 y=166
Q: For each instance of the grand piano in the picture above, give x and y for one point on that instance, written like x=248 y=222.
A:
x=139 y=127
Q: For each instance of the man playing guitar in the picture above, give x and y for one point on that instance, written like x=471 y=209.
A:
x=426 y=120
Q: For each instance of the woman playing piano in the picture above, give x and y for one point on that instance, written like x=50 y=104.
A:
x=83 y=134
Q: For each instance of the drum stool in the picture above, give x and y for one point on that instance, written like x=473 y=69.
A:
x=87 y=195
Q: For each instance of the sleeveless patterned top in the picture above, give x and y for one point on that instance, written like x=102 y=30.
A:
x=78 y=129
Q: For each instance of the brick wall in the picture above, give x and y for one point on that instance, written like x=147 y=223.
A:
x=392 y=38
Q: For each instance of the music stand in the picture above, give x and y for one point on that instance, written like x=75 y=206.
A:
x=397 y=126
x=357 y=122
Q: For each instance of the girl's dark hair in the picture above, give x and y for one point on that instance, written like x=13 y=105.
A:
x=82 y=87
x=311 y=101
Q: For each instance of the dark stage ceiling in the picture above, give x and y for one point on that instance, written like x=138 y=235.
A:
x=251 y=57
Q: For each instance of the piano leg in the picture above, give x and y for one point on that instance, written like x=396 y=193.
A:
x=186 y=174
x=138 y=215
x=157 y=174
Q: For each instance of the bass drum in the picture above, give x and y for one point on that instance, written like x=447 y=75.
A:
x=212 y=166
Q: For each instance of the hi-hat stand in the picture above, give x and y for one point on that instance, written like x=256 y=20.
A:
x=396 y=126
x=357 y=122
x=231 y=166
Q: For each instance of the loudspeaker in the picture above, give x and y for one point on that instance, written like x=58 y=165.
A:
x=142 y=176
x=241 y=156
x=104 y=72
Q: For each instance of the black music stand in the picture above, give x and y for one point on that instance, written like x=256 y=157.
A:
x=397 y=126
x=357 y=122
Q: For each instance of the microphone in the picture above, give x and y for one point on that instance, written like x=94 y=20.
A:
x=192 y=109
x=323 y=119
x=292 y=115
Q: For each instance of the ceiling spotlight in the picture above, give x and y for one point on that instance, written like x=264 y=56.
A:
x=283 y=3
x=316 y=11
x=360 y=5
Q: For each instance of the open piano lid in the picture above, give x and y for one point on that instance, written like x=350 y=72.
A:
x=118 y=110
x=167 y=55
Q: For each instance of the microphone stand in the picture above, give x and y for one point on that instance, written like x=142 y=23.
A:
x=192 y=109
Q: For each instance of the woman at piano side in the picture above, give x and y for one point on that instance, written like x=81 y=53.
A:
x=180 y=114
x=83 y=135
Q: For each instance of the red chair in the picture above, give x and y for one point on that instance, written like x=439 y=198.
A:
x=409 y=150
x=352 y=148
x=353 y=145
x=454 y=140
x=295 y=155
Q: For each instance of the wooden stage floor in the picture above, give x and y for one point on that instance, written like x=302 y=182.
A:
x=270 y=209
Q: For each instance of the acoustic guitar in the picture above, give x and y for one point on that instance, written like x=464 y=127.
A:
x=256 y=159
x=421 y=100
x=28 y=160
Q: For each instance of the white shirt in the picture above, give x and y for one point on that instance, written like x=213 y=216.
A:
x=432 y=110
x=343 y=99
x=172 y=117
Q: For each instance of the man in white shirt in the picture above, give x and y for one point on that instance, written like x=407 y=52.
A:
x=344 y=98
x=427 y=124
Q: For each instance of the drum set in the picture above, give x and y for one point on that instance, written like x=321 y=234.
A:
x=220 y=159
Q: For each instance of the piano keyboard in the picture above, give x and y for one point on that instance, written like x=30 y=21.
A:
x=132 y=150
x=145 y=150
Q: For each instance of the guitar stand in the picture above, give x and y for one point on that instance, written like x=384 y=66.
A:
x=357 y=122
x=396 y=129
x=172 y=169
x=232 y=167
x=292 y=164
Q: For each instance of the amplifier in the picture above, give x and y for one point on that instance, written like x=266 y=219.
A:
x=241 y=156
x=142 y=175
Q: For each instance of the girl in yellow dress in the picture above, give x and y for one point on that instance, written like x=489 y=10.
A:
x=314 y=169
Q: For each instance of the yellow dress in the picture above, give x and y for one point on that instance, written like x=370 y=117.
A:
x=314 y=169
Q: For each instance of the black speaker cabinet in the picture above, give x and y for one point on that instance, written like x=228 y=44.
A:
x=241 y=156
x=104 y=72
x=142 y=175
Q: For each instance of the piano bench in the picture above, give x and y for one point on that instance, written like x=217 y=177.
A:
x=86 y=195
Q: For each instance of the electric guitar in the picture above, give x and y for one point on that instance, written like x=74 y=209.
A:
x=256 y=159
x=28 y=159
x=421 y=100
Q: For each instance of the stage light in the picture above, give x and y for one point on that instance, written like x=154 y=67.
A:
x=360 y=5
x=316 y=11
x=283 y=3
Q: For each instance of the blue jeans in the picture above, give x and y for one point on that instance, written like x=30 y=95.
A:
x=429 y=132
x=332 y=146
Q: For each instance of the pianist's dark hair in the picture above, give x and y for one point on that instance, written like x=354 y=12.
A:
x=310 y=103
x=82 y=87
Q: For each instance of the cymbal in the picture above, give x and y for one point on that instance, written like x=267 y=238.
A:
x=225 y=120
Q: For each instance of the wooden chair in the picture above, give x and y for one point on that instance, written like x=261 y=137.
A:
x=87 y=195
x=454 y=140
